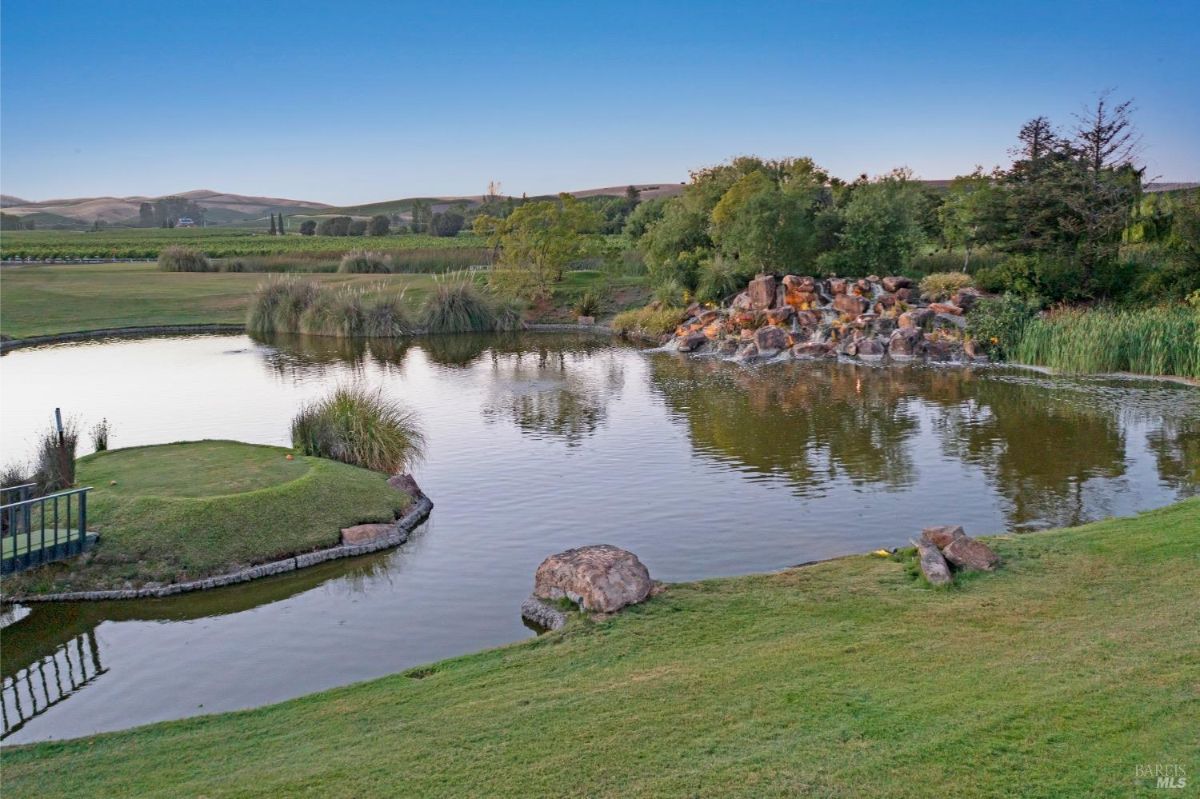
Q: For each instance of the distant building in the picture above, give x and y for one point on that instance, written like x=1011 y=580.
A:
x=185 y=221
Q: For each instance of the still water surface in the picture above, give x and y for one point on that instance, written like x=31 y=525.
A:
x=542 y=442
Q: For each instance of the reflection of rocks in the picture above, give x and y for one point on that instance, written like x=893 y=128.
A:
x=856 y=318
x=599 y=579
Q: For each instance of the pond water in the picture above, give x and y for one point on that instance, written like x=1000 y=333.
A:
x=542 y=442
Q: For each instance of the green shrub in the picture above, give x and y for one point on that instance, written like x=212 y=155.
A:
x=360 y=427
x=100 y=432
x=1155 y=341
x=456 y=305
x=951 y=261
x=721 y=278
x=942 y=285
x=361 y=261
x=998 y=323
x=183 y=259
x=649 y=321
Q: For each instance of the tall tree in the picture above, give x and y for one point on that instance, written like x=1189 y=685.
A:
x=272 y=224
x=1104 y=135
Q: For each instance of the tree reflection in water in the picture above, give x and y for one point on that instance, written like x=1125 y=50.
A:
x=555 y=392
x=1038 y=441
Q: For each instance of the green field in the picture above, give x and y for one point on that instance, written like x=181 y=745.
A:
x=46 y=300
x=214 y=242
x=183 y=511
x=1057 y=675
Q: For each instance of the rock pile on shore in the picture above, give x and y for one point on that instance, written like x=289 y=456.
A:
x=870 y=318
x=939 y=549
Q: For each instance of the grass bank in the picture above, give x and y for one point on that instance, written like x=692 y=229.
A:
x=184 y=511
x=1056 y=676
x=48 y=300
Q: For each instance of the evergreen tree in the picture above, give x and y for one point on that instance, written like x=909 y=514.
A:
x=272 y=224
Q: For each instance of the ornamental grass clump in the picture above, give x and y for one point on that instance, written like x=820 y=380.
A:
x=361 y=261
x=457 y=306
x=942 y=285
x=277 y=305
x=1153 y=341
x=361 y=427
x=183 y=259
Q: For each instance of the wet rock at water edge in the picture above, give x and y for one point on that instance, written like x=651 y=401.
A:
x=906 y=343
x=692 y=342
x=812 y=349
x=869 y=349
x=770 y=339
x=599 y=579
x=542 y=614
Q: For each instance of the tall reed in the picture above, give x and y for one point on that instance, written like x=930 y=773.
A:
x=303 y=306
x=1152 y=341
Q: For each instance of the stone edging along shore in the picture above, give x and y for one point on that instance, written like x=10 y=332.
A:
x=417 y=513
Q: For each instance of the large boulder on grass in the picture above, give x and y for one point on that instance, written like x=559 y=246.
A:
x=600 y=578
x=971 y=555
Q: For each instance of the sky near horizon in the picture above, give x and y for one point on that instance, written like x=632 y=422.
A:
x=358 y=102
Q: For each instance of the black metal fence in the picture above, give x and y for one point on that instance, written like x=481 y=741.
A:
x=37 y=530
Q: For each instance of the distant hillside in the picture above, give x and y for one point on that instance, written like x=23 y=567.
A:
x=221 y=208
x=7 y=199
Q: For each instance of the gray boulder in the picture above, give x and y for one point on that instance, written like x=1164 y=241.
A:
x=600 y=578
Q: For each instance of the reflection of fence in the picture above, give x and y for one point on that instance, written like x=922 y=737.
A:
x=44 y=683
x=37 y=530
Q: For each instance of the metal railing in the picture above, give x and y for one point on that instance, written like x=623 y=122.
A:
x=37 y=530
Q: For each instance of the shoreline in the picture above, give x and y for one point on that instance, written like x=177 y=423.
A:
x=417 y=513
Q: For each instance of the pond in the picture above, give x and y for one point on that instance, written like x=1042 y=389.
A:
x=541 y=442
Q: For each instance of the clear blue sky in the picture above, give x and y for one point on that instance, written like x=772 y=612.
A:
x=361 y=101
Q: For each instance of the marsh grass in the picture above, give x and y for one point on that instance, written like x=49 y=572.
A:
x=1154 y=341
x=361 y=427
x=183 y=259
x=54 y=469
x=941 y=285
x=289 y=305
x=362 y=261
x=650 y=321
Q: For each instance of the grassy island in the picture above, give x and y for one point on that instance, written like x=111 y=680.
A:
x=184 y=511
x=1058 y=675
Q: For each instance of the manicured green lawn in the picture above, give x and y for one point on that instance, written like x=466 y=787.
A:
x=1056 y=676
x=45 y=300
x=189 y=510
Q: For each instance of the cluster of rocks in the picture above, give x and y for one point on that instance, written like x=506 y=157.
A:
x=940 y=548
x=596 y=579
x=870 y=318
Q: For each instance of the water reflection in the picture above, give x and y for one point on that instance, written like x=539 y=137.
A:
x=34 y=689
x=538 y=443
x=554 y=393
x=811 y=424
x=1038 y=441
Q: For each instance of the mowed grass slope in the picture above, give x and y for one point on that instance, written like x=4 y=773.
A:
x=189 y=510
x=1056 y=676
